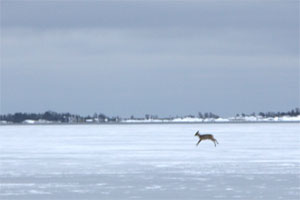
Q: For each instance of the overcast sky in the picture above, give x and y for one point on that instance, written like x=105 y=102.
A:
x=164 y=58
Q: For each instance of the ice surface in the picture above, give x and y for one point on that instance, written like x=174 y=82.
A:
x=150 y=161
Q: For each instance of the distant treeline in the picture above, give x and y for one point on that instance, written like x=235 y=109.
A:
x=54 y=117
x=101 y=118
x=292 y=113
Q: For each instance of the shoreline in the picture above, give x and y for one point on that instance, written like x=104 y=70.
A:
x=150 y=123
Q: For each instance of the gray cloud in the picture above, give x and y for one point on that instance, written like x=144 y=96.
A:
x=202 y=15
x=149 y=57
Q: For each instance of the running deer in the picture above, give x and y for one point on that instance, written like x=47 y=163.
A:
x=206 y=137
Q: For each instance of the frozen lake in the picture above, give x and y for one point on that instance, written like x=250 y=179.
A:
x=150 y=161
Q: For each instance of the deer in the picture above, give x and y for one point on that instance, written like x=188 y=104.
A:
x=206 y=137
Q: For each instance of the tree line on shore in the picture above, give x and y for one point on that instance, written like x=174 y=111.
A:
x=53 y=117
x=50 y=116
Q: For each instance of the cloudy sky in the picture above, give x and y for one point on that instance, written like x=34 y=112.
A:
x=158 y=57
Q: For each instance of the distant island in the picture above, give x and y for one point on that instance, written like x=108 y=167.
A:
x=51 y=117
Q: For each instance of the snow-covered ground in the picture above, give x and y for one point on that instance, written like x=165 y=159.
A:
x=216 y=120
x=150 y=161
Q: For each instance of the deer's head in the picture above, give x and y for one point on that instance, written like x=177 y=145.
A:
x=197 y=133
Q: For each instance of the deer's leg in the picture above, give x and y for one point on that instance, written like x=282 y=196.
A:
x=198 y=142
x=213 y=141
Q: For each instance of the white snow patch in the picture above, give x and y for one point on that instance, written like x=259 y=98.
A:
x=216 y=120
